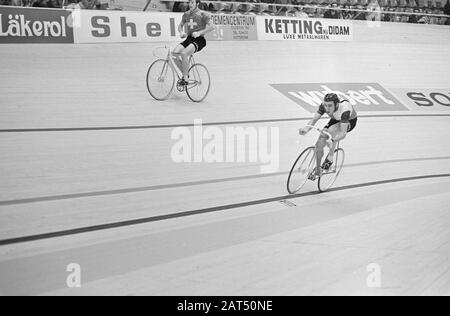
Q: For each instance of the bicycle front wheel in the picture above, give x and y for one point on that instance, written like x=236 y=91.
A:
x=328 y=178
x=160 y=79
x=301 y=169
x=199 y=83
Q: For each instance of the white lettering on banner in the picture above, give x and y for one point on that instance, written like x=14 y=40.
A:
x=19 y=26
x=120 y=26
x=366 y=97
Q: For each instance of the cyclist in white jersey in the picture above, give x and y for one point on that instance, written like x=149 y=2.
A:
x=343 y=120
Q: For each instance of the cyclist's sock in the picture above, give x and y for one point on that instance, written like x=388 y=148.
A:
x=327 y=164
x=318 y=172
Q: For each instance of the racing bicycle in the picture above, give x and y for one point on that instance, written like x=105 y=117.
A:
x=304 y=168
x=163 y=73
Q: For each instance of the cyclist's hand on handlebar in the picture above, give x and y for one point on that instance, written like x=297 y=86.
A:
x=195 y=34
x=304 y=130
x=329 y=142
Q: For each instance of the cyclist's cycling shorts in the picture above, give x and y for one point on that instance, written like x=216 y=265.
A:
x=198 y=42
x=350 y=128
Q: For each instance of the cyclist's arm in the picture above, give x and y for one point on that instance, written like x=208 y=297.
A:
x=317 y=115
x=182 y=23
x=181 y=27
x=315 y=119
x=209 y=28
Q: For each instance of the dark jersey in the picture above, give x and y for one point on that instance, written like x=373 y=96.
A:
x=195 y=20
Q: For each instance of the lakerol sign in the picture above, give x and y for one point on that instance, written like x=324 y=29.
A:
x=24 y=25
x=364 y=96
x=282 y=28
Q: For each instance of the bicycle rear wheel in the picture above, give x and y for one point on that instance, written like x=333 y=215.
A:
x=199 y=83
x=160 y=79
x=328 y=178
x=301 y=169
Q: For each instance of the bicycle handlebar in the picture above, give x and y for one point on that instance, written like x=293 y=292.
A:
x=321 y=131
x=159 y=48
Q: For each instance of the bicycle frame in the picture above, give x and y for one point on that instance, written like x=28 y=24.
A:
x=170 y=56
x=338 y=146
x=304 y=167
x=168 y=61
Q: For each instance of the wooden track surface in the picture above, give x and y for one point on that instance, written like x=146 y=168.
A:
x=241 y=239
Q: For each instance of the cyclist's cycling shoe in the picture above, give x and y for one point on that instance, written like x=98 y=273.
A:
x=327 y=164
x=316 y=173
x=181 y=85
x=182 y=82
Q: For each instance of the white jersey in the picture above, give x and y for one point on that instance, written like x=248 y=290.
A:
x=344 y=113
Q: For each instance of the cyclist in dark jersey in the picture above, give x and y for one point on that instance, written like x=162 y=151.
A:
x=198 y=24
x=343 y=120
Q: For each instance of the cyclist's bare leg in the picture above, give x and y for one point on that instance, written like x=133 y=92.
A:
x=330 y=155
x=176 y=53
x=334 y=130
x=320 y=145
x=185 y=55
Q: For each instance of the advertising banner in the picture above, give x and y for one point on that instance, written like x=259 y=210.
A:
x=364 y=96
x=233 y=28
x=27 y=25
x=123 y=26
x=296 y=29
x=436 y=100
x=118 y=27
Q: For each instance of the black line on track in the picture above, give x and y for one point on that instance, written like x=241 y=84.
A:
x=138 y=127
x=200 y=211
x=186 y=184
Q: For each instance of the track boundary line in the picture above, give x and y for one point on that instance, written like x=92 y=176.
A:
x=138 y=127
x=145 y=220
x=186 y=184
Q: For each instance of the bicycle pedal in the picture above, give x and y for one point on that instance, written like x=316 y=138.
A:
x=180 y=87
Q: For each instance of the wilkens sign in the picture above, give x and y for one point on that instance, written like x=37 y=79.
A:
x=364 y=96
x=23 y=25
